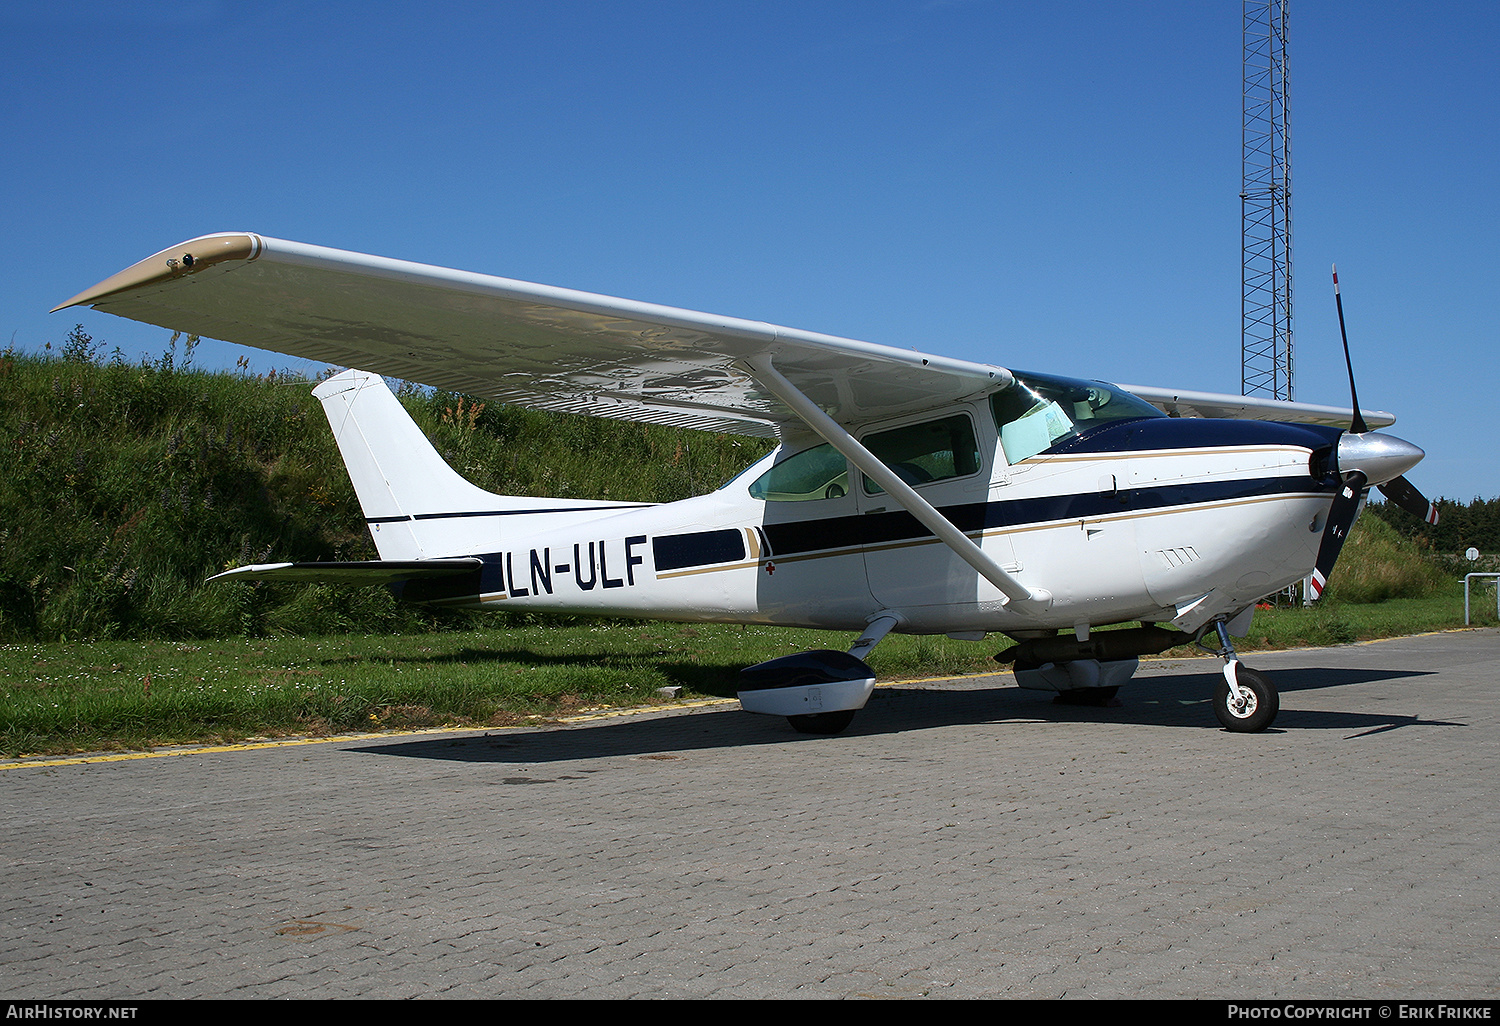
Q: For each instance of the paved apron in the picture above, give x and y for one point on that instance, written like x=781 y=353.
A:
x=962 y=839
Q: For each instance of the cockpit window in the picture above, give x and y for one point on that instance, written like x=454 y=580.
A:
x=1039 y=411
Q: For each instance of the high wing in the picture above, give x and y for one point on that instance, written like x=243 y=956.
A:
x=1179 y=403
x=554 y=348
x=518 y=342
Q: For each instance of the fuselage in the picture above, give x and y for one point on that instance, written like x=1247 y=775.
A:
x=1120 y=518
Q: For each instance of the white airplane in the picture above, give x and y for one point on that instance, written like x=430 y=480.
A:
x=908 y=492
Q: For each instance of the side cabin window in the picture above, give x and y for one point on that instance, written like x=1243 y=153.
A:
x=934 y=450
x=918 y=453
x=816 y=473
x=1039 y=411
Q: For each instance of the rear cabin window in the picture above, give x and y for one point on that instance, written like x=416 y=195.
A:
x=918 y=454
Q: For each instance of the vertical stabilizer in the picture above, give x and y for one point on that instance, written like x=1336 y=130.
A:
x=418 y=507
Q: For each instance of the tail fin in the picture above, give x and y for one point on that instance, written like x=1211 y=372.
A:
x=418 y=507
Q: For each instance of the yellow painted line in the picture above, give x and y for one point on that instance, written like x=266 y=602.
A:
x=250 y=746
x=246 y=746
x=933 y=680
x=635 y=710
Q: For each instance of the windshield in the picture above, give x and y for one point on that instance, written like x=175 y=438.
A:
x=1039 y=411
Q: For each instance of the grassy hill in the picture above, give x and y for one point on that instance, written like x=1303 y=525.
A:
x=125 y=485
x=1377 y=564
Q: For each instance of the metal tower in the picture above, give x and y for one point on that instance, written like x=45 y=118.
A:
x=1266 y=207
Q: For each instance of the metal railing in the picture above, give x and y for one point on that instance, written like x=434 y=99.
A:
x=1466 y=595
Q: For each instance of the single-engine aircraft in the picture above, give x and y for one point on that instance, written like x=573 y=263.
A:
x=908 y=492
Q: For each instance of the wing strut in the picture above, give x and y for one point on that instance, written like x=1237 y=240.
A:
x=833 y=433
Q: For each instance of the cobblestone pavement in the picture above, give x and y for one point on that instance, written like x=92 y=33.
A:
x=961 y=839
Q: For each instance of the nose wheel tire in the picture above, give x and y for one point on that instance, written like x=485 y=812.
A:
x=1257 y=707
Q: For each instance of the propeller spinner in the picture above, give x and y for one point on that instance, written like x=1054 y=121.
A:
x=1365 y=458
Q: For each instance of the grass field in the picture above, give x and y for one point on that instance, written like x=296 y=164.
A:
x=75 y=696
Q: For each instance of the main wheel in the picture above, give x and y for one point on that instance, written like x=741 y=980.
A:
x=1256 y=711
x=822 y=723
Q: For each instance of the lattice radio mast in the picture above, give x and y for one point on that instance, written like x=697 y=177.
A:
x=1266 y=207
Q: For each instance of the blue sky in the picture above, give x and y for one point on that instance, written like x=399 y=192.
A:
x=1048 y=185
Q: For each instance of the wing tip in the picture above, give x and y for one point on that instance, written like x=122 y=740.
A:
x=173 y=262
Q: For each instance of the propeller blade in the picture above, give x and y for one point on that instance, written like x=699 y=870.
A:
x=1404 y=494
x=1340 y=519
x=1381 y=455
x=1359 y=426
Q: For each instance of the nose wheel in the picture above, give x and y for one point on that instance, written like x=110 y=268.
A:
x=1245 y=700
x=1251 y=705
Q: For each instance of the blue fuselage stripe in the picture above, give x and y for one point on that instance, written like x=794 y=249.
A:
x=884 y=528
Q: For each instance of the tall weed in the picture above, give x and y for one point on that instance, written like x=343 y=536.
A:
x=1377 y=564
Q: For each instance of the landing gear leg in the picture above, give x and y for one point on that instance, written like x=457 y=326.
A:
x=1245 y=701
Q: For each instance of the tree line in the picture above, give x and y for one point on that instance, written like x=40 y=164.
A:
x=1459 y=526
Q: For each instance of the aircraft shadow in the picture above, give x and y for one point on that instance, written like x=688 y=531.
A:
x=1176 y=701
x=1311 y=678
x=717 y=679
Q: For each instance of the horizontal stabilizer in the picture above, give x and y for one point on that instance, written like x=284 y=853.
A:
x=370 y=571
